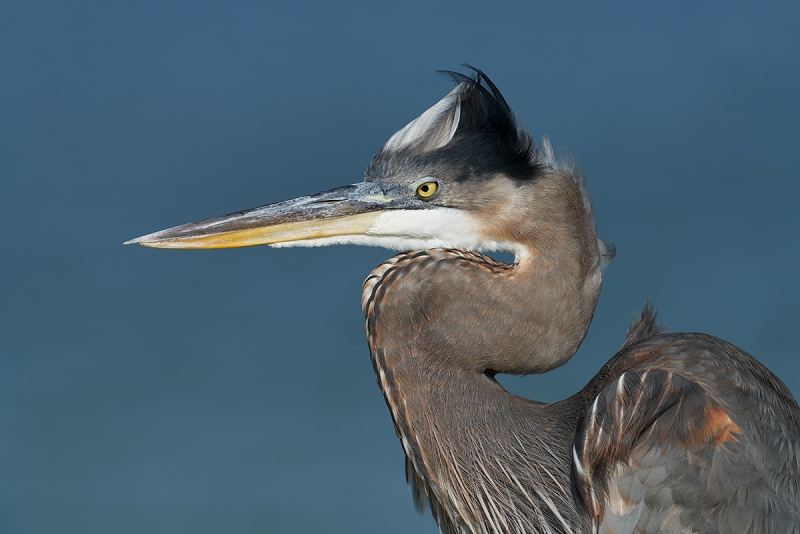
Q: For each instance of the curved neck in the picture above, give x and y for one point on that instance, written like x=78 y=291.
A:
x=477 y=477
x=441 y=323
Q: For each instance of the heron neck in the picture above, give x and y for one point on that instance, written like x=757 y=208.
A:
x=483 y=459
x=462 y=310
x=440 y=323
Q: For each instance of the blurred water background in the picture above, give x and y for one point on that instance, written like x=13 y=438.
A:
x=231 y=391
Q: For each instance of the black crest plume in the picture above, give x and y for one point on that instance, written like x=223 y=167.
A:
x=472 y=129
x=488 y=128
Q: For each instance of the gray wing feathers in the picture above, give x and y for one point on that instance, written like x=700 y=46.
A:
x=658 y=452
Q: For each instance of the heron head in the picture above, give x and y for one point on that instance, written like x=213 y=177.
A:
x=461 y=175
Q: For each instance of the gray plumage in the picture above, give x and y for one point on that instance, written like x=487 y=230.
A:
x=676 y=433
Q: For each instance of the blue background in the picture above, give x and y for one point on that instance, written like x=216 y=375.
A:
x=231 y=391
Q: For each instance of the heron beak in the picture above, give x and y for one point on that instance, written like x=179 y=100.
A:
x=345 y=211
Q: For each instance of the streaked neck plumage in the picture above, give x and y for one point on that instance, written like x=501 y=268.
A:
x=441 y=323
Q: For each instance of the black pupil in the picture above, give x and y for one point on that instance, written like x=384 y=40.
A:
x=424 y=188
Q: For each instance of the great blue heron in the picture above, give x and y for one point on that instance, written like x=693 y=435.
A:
x=676 y=433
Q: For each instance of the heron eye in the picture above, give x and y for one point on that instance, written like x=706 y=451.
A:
x=427 y=189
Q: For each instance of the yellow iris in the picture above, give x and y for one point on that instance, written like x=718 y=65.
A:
x=427 y=190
